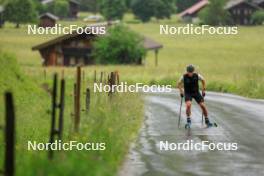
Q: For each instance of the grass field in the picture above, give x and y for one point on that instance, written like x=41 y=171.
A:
x=114 y=122
x=229 y=63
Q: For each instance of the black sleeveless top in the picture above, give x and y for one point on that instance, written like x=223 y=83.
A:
x=191 y=84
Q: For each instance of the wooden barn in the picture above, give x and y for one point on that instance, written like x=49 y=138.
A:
x=191 y=13
x=47 y=20
x=259 y=3
x=241 y=11
x=75 y=49
x=73 y=8
x=1 y=16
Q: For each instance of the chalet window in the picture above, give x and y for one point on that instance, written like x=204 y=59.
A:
x=245 y=21
x=245 y=11
x=234 y=11
x=81 y=61
x=249 y=11
x=59 y=60
x=72 y=61
x=238 y=11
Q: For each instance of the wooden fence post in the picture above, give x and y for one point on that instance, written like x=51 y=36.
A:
x=9 y=169
x=53 y=114
x=88 y=97
x=78 y=94
x=117 y=77
x=54 y=105
x=95 y=76
x=101 y=77
x=105 y=78
x=61 y=106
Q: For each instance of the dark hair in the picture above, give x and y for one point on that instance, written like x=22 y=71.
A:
x=190 y=68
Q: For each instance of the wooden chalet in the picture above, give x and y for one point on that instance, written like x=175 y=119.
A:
x=241 y=11
x=259 y=3
x=1 y=16
x=73 y=8
x=191 y=13
x=47 y=20
x=75 y=49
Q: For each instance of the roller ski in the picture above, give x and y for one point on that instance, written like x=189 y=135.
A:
x=209 y=124
x=188 y=126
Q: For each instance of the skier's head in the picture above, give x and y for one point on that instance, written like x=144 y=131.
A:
x=190 y=69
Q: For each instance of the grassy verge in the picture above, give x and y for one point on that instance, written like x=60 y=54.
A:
x=114 y=122
x=231 y=64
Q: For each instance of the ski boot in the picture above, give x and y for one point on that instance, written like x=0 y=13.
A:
x=188 y=125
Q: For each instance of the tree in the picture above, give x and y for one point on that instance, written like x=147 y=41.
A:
x=119 y=46
x=20 y=11
x=112 y=9
x=89 y=5
x=258 y=17
x=145 y=9
x=164 y=8
x=59 y=8
x=184 y=4
x=215 y=14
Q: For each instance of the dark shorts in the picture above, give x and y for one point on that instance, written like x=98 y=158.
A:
x=197 y=96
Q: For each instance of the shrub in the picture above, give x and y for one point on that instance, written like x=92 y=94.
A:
x=119 y=46
x=258 y=17
x=215 y=14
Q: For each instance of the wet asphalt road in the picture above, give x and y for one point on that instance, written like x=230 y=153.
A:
x=240 y=121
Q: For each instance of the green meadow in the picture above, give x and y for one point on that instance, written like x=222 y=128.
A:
x=233 y=64
x=230 y=63
x=114 y=122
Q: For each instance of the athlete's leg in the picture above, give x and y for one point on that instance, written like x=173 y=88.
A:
x=188 y=108
x=200 y=100
x=204 y=109
x=188 y=103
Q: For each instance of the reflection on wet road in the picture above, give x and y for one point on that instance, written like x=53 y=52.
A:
x=240 y=121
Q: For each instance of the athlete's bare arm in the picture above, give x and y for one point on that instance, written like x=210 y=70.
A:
x=180 y=85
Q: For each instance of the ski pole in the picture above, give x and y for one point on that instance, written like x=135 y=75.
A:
x=203 y=114
x=179 y=120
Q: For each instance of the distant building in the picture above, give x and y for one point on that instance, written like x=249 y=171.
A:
x=73 y=8
x=260 y=3
x=1 y=16
x=46 y=1
x=191 y=13
x=47 y=20
x=75 y=49
x=241 y=11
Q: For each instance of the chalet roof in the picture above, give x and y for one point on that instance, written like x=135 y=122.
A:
x=148 y=44
x=49 y=15
x=195 y=8
x=258 y=1
x=1 y=9
x=46 y=1
x=231 y=4
x=74 y=1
